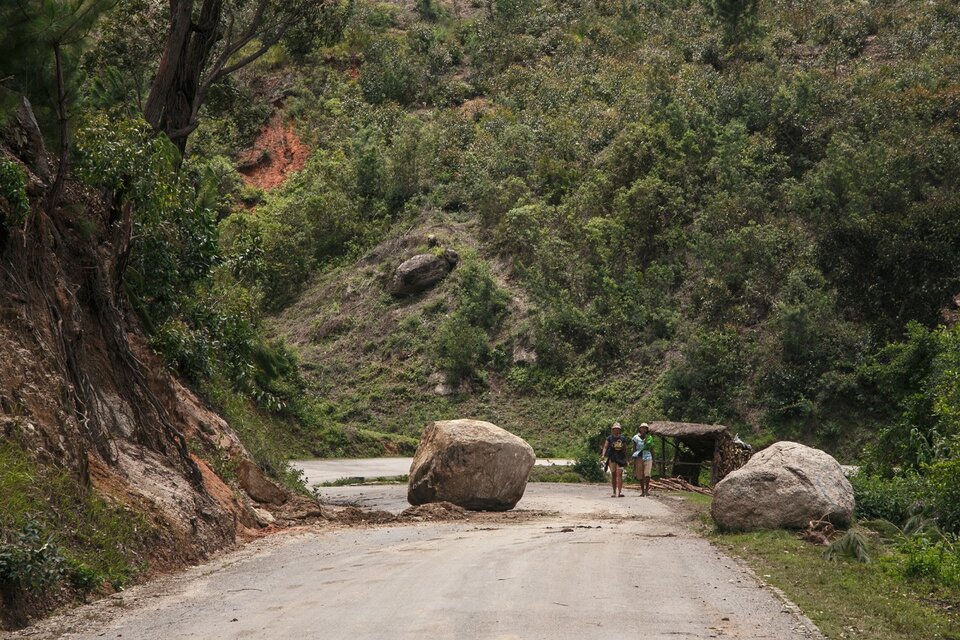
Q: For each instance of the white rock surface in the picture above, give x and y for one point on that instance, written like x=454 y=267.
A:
x=785 y=486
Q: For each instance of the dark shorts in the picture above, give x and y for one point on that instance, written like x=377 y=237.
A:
x=620 y=462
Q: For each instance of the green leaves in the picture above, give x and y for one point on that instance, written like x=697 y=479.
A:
x=852 y=544
x=31 y=33
x=14 y=205
x=919 y=376
x=462 y=343
x=29 y=561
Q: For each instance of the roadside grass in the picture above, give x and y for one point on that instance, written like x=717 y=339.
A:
x=357 y=480
x=58 y=542
x=271 y=442
x=698 y=499
x=554 y=473
x=846 y=599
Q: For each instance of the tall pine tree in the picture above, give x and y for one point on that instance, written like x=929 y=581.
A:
x=40 y=49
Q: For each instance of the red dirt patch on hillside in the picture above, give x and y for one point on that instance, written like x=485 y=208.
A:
x=276 y=153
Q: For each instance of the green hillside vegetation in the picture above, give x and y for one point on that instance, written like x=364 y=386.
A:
x=697 y=214
x=720 y=211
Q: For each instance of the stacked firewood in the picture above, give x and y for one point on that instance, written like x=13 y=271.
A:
x=678 y=484
x=730 y=455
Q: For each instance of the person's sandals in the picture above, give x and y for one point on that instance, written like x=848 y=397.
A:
x=620 y=496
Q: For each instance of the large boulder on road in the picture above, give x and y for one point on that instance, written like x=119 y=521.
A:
x=473 y=464
x=785 y=486
x=421 y=272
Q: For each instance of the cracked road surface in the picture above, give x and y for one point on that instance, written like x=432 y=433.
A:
x=569 y=562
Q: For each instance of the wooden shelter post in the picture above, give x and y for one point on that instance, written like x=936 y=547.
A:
x=663 y=457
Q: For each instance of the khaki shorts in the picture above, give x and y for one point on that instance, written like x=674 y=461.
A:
x=643 y=467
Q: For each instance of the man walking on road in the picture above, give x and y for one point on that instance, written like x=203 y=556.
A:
x=643 y=457
x=615 y=451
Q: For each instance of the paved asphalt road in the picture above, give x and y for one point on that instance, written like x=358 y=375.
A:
x=569 y=562
x=330 y=469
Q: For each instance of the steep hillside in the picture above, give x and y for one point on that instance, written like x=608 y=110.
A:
x=718 y=212
x=110 y=468
x=386 y=366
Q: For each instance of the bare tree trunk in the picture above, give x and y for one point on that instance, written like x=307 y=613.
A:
x=170 y=63
x=57 y=189
x=171 y=104
x=181 y=101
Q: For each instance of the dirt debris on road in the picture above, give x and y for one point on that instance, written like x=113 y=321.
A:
x=552 y=570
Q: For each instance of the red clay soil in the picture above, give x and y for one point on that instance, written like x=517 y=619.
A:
x=276 y=153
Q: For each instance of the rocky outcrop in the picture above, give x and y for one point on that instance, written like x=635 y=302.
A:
x=421 y=272
x=258 y=486
x=23 y=136
x=470 y=463
x=785 y=486
x=524 y=355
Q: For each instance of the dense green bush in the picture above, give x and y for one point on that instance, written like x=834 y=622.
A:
x=176 y=236
x=944 y=479
x=461 y=347
x=14 y=205
x=703 y=387
x=462 y=342
x=893 y=499
x=936 y=559
x=919 y=377
x=391 y=72
x=482 y=302
x=28 y=561
x=588 y=467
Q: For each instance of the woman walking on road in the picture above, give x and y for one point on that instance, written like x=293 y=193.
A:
x=643 y=457
x=615 y=452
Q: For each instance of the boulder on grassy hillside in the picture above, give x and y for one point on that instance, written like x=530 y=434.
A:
x=471 y=463
x=421 y=272
x=785 y=486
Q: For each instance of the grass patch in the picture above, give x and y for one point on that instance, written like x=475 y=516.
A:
x=554 y=473
x=58 y=542
x=697 y=499
x=845 y=598
x=359 y=480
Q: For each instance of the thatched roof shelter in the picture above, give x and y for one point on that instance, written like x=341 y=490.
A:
x=693 y=445
x=685 y=429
